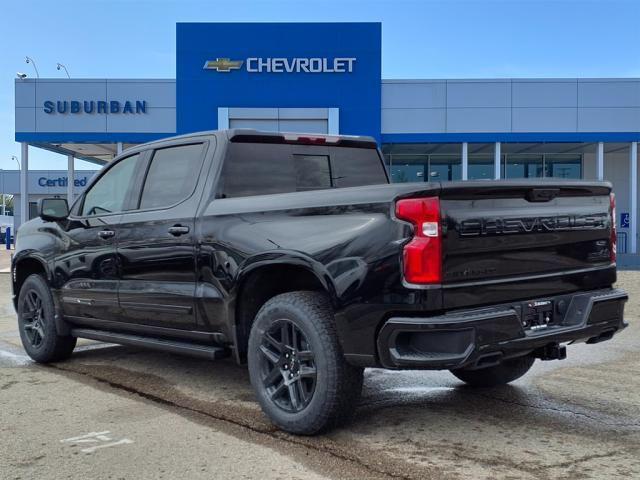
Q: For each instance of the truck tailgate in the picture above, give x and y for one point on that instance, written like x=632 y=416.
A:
x=521 y=240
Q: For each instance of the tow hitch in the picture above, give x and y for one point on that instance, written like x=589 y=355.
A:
x=552 y=352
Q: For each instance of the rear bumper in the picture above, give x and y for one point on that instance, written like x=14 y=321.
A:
x=482 y=337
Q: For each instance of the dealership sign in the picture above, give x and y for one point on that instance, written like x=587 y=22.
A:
x=283 y=65
x=61 y=182
x=94 y=106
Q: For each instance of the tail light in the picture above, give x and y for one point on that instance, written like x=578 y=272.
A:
x=614 y=236
x=422 y=256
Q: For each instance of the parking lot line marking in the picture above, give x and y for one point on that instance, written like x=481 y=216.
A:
x=124 y=441
x=88 y=436
x=15 y=358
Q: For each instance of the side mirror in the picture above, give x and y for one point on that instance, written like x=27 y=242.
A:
x=53 y=209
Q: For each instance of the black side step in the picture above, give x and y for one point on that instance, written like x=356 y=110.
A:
x=209 y=352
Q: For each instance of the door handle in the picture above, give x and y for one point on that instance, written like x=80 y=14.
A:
x=178 y=230
x=106 y=234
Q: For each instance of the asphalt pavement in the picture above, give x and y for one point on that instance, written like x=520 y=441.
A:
x=113 y=412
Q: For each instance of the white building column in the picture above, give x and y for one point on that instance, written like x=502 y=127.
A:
x=118 y=148
x=600 y=161
x=223 y=118
x=465 y=161
x=496 y=161
x=24 y=190
x=633 y=194
x=333 y=121
x=71 y=176
x=4 y=205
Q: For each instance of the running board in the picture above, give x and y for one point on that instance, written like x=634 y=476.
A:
x=209 y=352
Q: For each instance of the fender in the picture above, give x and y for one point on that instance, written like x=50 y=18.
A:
x=272 y=258
x=34 y=255
x=30 y=254
x=286 y=258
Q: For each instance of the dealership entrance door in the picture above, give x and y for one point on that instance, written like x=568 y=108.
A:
x=300 y=120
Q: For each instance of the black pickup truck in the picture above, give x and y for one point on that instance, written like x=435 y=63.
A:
x=294 y=254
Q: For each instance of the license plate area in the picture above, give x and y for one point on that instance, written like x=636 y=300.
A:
x=537 y=315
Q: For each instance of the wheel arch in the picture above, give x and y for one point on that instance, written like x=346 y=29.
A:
x=263 y=279
x=23 y=266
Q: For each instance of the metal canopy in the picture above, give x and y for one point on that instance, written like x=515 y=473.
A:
x=96 y=153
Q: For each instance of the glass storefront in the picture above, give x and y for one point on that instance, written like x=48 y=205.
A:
x=421 y=162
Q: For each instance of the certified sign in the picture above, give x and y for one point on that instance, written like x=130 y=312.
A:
x=284 y=65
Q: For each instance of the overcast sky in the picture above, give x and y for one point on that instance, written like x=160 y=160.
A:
x=421 y=39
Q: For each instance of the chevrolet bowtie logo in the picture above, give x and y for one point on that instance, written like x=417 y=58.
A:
x=223 y=64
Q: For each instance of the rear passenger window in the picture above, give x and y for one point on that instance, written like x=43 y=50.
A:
x=172 y=175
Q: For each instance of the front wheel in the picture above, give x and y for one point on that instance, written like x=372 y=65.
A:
x=296 y=365
x=501 y=374
x=36 y=322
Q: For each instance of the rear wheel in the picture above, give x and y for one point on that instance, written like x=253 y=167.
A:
x=506 y=372
x=296 y=365
x=36 y=322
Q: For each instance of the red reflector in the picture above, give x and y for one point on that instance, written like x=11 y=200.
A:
x=614 y=235
x=422 y=256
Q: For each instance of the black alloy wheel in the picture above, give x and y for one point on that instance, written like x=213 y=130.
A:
x=38 y=325
x=34 y=318
x=296 y=366
x=287 y=366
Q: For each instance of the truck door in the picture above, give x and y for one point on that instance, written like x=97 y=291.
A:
x=88 y=269
x=156 y=246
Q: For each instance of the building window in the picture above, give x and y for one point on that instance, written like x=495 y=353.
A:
x=549 y=160
x=423 y=162
x=408 y=168
x=33 y=210
x=563 y=166
x=445 y=167
x=522 y=165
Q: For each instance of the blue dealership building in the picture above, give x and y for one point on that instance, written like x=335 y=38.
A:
x=326 y=78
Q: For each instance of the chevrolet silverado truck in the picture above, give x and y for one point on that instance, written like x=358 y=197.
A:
x=294 y=255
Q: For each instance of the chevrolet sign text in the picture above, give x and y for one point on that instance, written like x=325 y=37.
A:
x=284 y=65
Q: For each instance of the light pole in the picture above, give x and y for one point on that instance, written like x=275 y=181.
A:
x=62 y=66
x=13 y=157
x=19 y=168
x=30 y=60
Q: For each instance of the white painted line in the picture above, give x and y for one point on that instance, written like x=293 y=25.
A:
x=89 y=436
x=15 y=358
x=96 y=437
x=124 y=441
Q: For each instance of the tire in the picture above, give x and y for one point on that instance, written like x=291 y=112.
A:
x=506 y=372
x=290 y=394
x=36 y=322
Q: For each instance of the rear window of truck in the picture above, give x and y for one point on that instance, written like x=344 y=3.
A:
x=262 y=169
